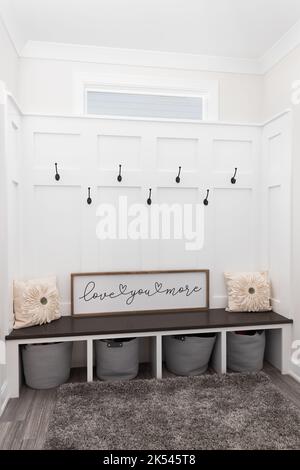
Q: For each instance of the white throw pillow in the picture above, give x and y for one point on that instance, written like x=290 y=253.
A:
x=35 y=302
x=248 y=292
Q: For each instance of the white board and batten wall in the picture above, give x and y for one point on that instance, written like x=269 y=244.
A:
x=245 y=224
x=59 y=235
x=10 y=222
x=276 y=213
x=59 y=230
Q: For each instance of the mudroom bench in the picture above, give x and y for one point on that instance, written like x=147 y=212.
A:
x=154 y=326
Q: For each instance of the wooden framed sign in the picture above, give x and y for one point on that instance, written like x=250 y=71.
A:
x=94 y=294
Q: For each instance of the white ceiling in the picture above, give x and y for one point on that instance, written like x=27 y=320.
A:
x=228 y=28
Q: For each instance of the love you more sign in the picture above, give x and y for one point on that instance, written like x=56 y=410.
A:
x=125 y=292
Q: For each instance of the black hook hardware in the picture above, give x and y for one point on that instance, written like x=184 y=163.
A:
x=57 y=176
x=119 y=178
x=205 y=201
x=177 y=179
x=233 y=179
x=149 y=200
x=89 y=199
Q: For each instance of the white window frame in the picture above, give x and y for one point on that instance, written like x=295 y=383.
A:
x=206 y=89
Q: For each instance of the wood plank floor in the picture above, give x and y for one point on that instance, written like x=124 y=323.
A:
x=24 y=423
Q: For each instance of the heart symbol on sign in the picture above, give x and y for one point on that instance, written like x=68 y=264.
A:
x=158 y=286
x=122 y=288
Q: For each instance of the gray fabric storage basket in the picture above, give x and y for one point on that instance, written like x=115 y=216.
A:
x=188 y=355
x=245 y=353
x=47 y=365
x=117 y=359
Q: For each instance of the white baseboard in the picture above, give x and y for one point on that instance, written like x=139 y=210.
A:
x=294 y=375
x=4 y=397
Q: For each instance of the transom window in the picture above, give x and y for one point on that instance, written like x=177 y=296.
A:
x=141 y=105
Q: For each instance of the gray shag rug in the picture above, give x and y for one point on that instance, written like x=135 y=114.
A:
x=234 y=411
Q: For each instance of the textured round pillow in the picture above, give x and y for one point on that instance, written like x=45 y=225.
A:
x=248 y=291
x=35 y=302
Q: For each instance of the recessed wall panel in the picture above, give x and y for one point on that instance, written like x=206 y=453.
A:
x=118 y=251
x=50 y=148
x=175 y=204
x=232 y=237
x=230 y=154
x=56 y=234
x=275 y=154
x=275 y=239
x=114 y=150
x=175 y=152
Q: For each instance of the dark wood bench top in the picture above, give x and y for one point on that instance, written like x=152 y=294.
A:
x=139 y=323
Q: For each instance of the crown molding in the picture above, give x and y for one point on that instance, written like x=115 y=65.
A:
x=140 y=58
x=281 y=49
x=3 y=23
x=145 y=58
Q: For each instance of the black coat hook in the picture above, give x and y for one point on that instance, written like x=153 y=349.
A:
x=177 y=179
x=233 y=179
x=89 y=199
x=57 y=176
x=205 y=201
x=119 y=178
x=149 y=200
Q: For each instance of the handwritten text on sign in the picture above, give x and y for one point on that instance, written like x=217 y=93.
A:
x=131 y=292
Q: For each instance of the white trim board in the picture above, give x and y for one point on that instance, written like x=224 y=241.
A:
x=166 y=60
x=4 y=396
x=138 y=58
x=294 y=376
x=113 y=118
x=281 y=49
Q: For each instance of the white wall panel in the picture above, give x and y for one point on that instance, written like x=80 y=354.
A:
x=276 y=210
x=54 y=147
x=275 y=240
x=56 y=235
x=150 y=154
x=10 y=151
x=119 y=149
x=172 y=254
x=118 y=254
x=175 y=152
x=275 y=154
x=230 y=154
x=59 y=227
x=14 y=148
x=234 y=246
